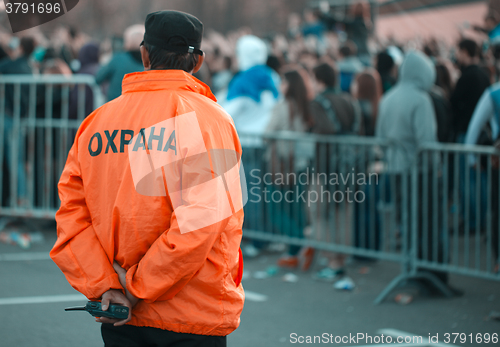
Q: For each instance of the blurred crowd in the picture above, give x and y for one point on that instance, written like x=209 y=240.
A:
x=325 y=75
x=342 y=58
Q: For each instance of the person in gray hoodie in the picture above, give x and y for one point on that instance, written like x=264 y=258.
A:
x=406 y=114
x=407 y=119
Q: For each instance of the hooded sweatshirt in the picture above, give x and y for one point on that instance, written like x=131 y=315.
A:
x=406 y=115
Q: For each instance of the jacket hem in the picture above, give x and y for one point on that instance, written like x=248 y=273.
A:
x=184 y=328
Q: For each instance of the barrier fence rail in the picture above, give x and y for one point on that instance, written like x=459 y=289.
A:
x=39 y=116
x=437 y=216
x=344 y=195
x=321 y=182
x=454 y=215
x=465 y=190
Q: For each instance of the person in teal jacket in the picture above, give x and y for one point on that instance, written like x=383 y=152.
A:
x=122 y=63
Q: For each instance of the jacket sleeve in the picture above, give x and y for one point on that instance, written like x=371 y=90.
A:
x=171 y=262
x=203 y=211
x=483 y=112
x=77 y=251
x=424 y=121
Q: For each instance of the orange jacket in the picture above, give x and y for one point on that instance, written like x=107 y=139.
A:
x=152 y=182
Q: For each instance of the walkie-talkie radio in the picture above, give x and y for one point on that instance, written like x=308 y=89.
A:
x=94 y=308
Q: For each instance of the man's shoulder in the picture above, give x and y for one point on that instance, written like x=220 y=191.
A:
x=108 y=113
x=202 y=106
x=212 y=109
x=95 y=115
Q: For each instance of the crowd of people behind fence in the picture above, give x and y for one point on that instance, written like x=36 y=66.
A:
x=324 y=75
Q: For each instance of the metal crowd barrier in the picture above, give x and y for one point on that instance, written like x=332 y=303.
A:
x=454 y=215
x=438 y=216
x=321 y=182
x=336 y=195
x=39 y=117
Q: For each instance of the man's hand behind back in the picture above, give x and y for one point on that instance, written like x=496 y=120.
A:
x=114 y=296
x=122 y=275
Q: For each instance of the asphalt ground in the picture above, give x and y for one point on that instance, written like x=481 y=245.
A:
x=34 y=293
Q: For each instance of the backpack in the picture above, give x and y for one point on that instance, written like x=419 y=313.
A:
x=344 y=155
x=331 y=114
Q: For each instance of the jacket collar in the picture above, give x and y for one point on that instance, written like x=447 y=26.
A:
x=153 y=80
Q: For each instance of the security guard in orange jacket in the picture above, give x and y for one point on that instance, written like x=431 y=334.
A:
x=151 y=201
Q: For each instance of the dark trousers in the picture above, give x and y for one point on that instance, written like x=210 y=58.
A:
x=430 y=240
x=367 y=221
x=132 y=336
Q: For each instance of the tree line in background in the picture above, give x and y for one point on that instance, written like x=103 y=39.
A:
x=103 y=18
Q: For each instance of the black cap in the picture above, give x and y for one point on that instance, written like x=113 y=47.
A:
x=174 y=31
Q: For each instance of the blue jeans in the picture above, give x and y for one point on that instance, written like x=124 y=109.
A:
x=288 y=216
x=469 y=196
x=8 y=142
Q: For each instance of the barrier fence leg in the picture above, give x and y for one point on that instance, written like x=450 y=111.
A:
x=4 y=222
x=435 y=281
x=392 y=285
x=402 y=188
